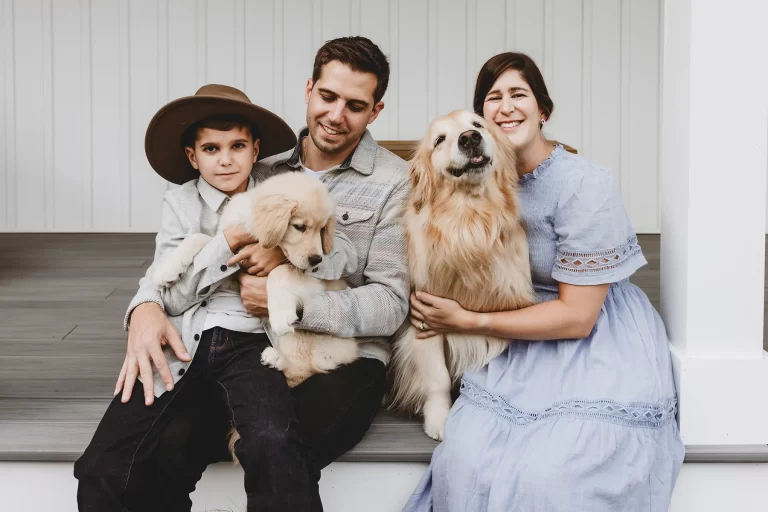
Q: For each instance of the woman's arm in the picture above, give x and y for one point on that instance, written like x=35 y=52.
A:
x=572 y=315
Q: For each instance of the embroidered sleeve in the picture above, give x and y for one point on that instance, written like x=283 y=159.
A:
x=595 y=240
x=598 y=261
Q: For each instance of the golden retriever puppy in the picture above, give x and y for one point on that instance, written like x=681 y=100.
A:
x=465 y=242
x=294 y=212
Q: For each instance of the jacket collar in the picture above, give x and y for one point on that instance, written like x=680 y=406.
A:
x=214 y=197
x=361 y=159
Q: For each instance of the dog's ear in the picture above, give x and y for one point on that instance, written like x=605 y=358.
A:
x=422 y=178
x=326 y=234
x=272 y=214
x=506 y=159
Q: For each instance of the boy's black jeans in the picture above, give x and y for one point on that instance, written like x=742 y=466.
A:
x=226 y=367
x=150 y=458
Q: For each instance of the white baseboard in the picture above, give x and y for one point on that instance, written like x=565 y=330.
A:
x=371 y=486
x=344 y=487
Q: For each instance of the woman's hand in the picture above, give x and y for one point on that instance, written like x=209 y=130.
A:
x=256 y=260
x=439 y=315
x=571 y=316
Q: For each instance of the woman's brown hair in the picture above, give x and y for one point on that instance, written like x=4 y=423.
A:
x=497 y=65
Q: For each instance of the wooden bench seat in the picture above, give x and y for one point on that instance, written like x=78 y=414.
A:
x=59 y=429
x=62 y=345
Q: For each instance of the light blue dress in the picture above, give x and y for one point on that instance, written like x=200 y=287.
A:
x=569 y=425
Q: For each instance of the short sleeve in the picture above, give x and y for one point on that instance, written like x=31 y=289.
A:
x=595 y=241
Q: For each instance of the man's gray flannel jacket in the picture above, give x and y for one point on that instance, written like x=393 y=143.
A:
x=369 y=253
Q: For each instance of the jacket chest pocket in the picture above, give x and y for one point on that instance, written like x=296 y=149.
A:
x=355 y=218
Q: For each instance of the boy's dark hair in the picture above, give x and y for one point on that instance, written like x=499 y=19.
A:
x=360 y=54
x=223 y=123
x=497 y=65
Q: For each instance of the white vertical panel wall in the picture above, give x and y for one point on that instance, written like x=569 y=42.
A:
x=80 y=80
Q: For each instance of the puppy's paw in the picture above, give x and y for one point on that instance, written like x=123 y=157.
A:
x=282 y=322
x=435 y=415
x=168 y=273
x=273 y=358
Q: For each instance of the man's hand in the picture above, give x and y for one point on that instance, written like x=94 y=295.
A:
x=253 y=292
x=149 y=330
x=257 y=261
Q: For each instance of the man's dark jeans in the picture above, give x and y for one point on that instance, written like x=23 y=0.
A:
x=334 y=411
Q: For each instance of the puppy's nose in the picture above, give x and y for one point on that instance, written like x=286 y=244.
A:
x=470 y=139
x=315 y=259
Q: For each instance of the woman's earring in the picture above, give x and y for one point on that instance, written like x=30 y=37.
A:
x=543 y=121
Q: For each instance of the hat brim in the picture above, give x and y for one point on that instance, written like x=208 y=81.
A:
x=163 y=144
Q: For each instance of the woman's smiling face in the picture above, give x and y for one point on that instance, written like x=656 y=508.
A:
x=512 y=106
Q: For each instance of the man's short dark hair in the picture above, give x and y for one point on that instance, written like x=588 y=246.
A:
x=360 y=54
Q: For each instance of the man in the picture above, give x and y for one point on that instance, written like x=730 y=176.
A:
x=369 y=185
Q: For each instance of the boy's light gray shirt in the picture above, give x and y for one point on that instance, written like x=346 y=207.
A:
x=369 y=253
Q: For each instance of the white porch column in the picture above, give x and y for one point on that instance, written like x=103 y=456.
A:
x=714 y=158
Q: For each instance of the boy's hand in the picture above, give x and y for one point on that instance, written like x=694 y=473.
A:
x=149 y=330
x=253 y=292
x=257 y=261
x=237 y=237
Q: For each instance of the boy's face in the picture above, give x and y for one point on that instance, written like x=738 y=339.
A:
x=340 y=106
x=224 y=159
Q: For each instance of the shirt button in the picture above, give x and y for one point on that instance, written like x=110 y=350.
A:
x=197 y=337
x=181 y=372
x=345 y=216
x=223 y=268
x=204 y=304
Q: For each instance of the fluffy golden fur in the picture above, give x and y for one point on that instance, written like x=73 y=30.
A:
x=466 y=242
x=292 y=211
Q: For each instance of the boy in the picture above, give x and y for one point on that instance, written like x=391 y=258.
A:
x=208 y=144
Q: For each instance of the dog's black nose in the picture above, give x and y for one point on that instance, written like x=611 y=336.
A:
x=315 y=259
x=470 y=139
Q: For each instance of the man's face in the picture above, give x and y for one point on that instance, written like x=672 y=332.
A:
x=340 y=106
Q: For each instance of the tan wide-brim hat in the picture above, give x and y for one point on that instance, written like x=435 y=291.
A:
x=163 y=143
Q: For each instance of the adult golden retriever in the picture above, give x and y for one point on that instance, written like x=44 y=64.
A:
x=465 y=242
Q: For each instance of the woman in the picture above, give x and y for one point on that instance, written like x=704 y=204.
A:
x=581 y=415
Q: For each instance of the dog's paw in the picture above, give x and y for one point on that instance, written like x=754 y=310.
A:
x=435 y=415
x=282 y=322
x=434 y=429
x=273 y=358
x=168 y=273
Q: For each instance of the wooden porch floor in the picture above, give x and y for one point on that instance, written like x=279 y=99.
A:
x=62 y=300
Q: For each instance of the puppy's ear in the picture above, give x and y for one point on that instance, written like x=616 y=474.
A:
x=271 y=217
x=422 y=178
x=326 y=235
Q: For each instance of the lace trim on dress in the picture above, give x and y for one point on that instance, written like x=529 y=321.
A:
x=597 y=261
x=636 y=414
